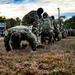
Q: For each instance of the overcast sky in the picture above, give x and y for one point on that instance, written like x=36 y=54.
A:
x=18 y=8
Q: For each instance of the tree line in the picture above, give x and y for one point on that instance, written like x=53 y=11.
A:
x=69 y=23
x=10 y=22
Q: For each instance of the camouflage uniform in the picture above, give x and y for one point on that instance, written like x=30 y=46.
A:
x=29 y=18
x=32 y=18
x=21 y=33
x=63 y=31
x=57 y=33
x=35 y=28
x=47 y=29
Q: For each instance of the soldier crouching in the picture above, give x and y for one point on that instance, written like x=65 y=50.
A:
x=15 y=35
x=47 y=29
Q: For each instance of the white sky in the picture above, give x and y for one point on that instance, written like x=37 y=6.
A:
x=13 y=10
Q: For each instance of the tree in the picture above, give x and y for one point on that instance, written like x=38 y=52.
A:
x=18 y=21
x=8 y=25
x=70 y=22
x=12 y=22
x=2 y=19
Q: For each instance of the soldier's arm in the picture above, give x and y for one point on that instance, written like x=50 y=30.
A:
x=31 y=38
x=6 y=41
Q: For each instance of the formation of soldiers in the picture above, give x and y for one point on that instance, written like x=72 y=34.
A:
x=43 y=27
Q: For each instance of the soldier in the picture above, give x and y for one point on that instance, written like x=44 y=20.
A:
x=35 y=28
x=47 y=29
x=63 y=31
x=16 y=34
x=57 y=34
x=32 y=18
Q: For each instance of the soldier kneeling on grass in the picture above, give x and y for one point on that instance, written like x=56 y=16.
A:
x=15 y=35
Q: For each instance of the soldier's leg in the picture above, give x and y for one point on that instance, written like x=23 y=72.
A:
x=50 y=41
x=50 y=38
x=45 y=39
x=59 y=36
x=56 y=38
x=42 y=38
x=55 y=35
x=32 y=43
x=32 y=40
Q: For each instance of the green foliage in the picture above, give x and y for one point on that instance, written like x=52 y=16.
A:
x=68 y=51
x=12 y=22
x=2 y=19
x=23 y=71
x=31 y=58
x=73 y=25
x=58 y=72
x=20 y=70
x=47 y=61
x=70 y=22
x=19 y=60
x=54 y=64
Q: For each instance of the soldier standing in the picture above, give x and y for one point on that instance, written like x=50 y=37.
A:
x=63 y=31
x=57 y=34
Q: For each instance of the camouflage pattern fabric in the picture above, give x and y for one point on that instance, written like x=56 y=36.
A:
x=46 y=25
x=36 y=29
x=47 y=29
x=57 y=33
x=32 y=18
x=25 y=34
x=29 y=18
x=63 y=31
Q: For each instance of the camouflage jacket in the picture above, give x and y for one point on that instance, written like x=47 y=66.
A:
x=25 y=33
x=56 y=25
x=46 y=24
x=18 y=29
x=29 y=18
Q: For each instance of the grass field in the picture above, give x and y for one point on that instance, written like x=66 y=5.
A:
x=55 y=59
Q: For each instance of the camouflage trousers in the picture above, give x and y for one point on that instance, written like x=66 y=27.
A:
x=47 y=36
